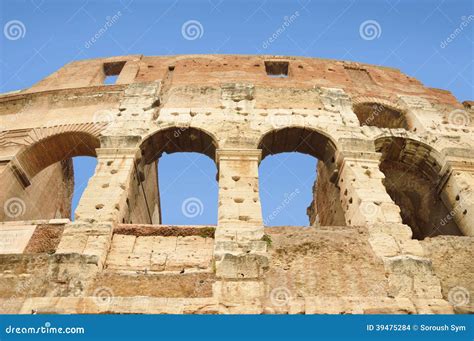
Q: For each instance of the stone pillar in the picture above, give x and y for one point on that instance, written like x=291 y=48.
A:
x=367 y=203
x=457 y=193
x=144 y=198
x=103 y=204
x=240 y=251
x=105 y=198
x=364 y=198
x=239 y=201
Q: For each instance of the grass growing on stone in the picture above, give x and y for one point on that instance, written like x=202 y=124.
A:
x=266 y=238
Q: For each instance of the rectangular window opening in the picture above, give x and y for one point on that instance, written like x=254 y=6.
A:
x=277 y=69
x=112 y=72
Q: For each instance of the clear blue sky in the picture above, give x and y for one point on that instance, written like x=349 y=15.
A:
x=409 y=35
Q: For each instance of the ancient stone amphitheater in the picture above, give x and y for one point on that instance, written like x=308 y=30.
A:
x=392 y=217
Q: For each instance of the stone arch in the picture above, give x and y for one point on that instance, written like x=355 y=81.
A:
x=40 y=177
x=51 y=149
x=170 y=139
x=300 y=139
x=379 y=112
x=412 y=171
x=174 y=139
x=325 y=209
x=411 y=152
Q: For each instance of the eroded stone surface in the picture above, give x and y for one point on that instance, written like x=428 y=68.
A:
x=14 y=239
x=395 y=176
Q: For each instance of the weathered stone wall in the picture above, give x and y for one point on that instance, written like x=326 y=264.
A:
x=143 y=200
x=160 y=253
x=325 y=209
x=43 y=275
x=168 y=285
x=452 y=264
x=395 y=162
x=49 y=195
x=326 y=262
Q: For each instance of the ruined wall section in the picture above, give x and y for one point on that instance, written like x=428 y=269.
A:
x=325 y=209
x=422 y=209
x=49 y=196
x=452 y=263
x=324 y=262
x=233 y=102
x=355 y=78
x=143 y=202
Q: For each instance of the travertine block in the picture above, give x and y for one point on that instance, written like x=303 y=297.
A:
x=382 y=154
x=13 y=239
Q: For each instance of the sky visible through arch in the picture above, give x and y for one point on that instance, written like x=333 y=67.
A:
x=429 y=40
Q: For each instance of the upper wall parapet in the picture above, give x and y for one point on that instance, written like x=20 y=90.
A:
x=356 y=79
x=238 y=98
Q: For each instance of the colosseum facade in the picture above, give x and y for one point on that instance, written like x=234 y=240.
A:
x=392 y=220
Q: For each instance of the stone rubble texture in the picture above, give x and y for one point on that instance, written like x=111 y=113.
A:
x=392 y=220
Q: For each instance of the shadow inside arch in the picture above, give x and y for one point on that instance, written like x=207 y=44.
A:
x=178 y=139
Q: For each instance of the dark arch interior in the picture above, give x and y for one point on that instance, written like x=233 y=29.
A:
x=411 y=179
x=176 y=139
x=306 y=141
x=325 y=209
x=379 y=115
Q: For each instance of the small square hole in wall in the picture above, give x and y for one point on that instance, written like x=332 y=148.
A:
x=277 y=69
x=112 y=71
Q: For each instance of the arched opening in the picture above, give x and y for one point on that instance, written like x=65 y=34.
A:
x=380 y=115
x=39 y=182
x=301 y=169
x=186 y=189
x=411 y=179
x=54 y=149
